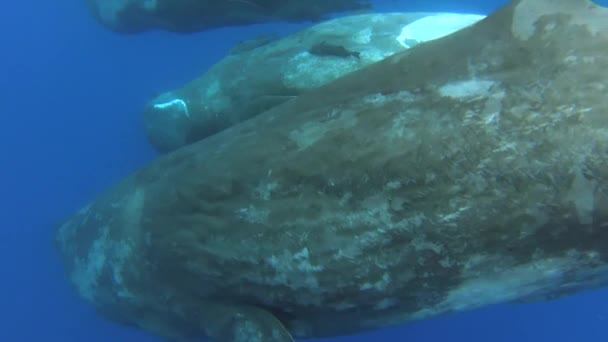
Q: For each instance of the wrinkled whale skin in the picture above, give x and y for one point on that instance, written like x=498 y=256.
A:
x=464 y=172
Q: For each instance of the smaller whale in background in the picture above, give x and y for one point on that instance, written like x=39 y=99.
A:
x=186 y=16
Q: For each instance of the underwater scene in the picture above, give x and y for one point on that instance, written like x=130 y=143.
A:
x=290 y=170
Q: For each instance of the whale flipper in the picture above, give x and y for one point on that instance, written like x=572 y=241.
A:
x=236 y=323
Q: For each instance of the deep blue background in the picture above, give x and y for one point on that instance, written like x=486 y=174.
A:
x=70 y=99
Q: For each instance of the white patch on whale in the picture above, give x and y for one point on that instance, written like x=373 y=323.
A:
x=175 y=103
x=466 y=89
x=294 y=270
x=435 y=26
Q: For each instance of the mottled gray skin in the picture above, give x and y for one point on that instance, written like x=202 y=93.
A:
x=246 y=84
x=186 y=16
x=468 y=171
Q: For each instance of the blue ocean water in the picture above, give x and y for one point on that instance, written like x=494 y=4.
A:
x=71 y=93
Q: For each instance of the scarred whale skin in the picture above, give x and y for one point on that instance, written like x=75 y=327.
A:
x=464 y=172
x=187 y=16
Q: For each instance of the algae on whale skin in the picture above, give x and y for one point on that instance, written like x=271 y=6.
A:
x=425 y=184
